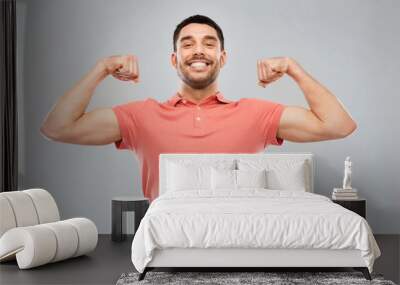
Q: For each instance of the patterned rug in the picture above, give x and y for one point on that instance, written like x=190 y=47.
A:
x=269 y=278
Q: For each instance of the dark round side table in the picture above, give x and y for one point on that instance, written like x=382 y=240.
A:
x=121 y=204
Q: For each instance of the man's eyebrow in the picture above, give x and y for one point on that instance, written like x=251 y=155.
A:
x=210 y=38
x=207 y=37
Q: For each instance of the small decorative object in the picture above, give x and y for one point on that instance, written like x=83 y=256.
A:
x=347 y=192
x=347 y=174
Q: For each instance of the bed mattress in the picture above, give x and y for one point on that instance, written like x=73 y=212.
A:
x=253 y=218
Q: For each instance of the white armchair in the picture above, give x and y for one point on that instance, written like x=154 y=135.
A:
x=32 y=233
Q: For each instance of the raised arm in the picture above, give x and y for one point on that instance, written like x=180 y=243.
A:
x=67 y=122
x=325 y=120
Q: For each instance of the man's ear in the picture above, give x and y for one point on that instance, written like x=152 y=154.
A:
x=223 y=58
x=173 y=59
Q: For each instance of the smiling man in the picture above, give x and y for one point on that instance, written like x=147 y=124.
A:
x=198 y=118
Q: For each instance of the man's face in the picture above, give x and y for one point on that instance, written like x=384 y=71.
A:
x=198 y=57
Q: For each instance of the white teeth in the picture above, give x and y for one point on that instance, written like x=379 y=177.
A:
x=198 y=64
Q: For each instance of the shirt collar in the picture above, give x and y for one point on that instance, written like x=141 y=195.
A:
x=217 y=97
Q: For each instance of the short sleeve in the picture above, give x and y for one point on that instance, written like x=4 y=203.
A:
x=271 y=113
x=128 y=117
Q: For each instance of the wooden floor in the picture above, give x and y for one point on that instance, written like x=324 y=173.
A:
x=110 y=259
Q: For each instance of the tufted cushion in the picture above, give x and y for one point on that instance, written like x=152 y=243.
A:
x=27 y=208
x=40 y=244
x=32 y=233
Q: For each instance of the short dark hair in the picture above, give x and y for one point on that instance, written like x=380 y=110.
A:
x=198 y=19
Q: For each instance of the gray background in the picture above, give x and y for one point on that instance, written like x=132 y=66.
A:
x=348 y=46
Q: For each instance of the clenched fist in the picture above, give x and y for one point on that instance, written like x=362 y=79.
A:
x=271 y=69
x=123 y=67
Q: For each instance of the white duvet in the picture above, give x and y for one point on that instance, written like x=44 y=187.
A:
x=250 y=218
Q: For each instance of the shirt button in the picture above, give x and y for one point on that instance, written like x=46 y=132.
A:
x=198 y=118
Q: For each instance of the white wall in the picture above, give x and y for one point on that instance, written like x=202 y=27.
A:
x=349 y=46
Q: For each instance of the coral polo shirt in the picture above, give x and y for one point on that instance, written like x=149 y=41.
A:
x=214 y=125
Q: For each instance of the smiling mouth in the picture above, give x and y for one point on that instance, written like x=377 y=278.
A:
x=198 y=65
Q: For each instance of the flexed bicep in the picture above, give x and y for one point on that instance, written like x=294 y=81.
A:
x=98 y=127
x=298 y=124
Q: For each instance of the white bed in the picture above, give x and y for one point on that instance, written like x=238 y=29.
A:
x=249 y=227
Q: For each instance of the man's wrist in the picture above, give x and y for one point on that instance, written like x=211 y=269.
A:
x=294 y=70
x=101 y=68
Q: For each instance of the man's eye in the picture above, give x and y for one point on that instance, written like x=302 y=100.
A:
x=210 y=45
x=186 y=45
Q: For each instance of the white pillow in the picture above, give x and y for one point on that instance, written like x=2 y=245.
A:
x=188 y=174
x=237 y=179
x=282 y=174
x=290 y=179
x=251 y=178
x=223 y=179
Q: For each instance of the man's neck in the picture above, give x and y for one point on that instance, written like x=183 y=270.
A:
x=197 y=95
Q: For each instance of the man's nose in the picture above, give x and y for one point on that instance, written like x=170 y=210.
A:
x=198 y=49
